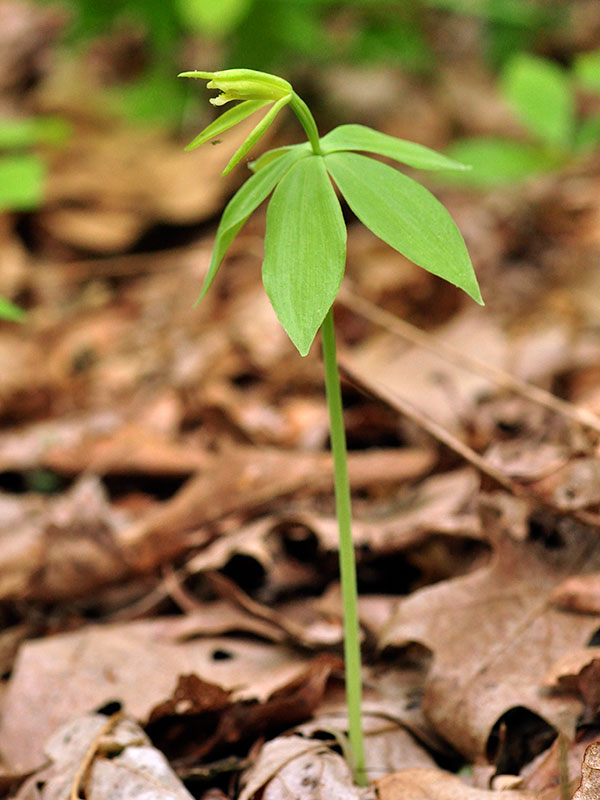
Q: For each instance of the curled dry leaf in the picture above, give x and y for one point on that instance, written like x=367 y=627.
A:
x=589 y=788
x=241 y=479
x=440 y=504
x=434 y=784
x=58 y=547
x=272 y=758
x=580 y=593
x=388 y=745
x=494 y=635
x=214 y=719
x=301 y=768
x=565 y=672
x=440 y=390
x=123 y=764
x=138 y=664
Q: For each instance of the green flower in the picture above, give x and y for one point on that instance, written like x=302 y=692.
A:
x=255 y=90
x=243 y=84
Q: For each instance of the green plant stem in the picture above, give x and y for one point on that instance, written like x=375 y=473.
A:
x=347 y=558
x=302 y=111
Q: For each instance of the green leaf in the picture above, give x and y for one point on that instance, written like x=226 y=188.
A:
x=258 y=131
x=227 y=120
x=509 y=12
x=10 y=311
x=213 y=19
x=406 y=216
x=542 y=96
x=359 y=137
x=246 y=200
x=305 y=250
x=21 y=182
x=587 y=137
x=277 y=152
x=498 y=162
x=21 y=133
x=587 y=70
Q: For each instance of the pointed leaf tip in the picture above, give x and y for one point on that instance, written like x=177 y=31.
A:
x=305 y=249
x=194 y=73
x=406 y=216
x=246 y=200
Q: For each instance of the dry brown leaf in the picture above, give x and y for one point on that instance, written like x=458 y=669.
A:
x=200 y=716
x=303 y=769
x=27 y=34
x=576 y=485
x=241 y=479
x=60 y=546
x=433 y=784
x=564 y=673
x=494 y=635
x=580 y=593
x=124 y=764
x=392 y=696
x=49 y=553
x=441 y=504
x=110 y=184
x=589 y=788
x=389 y=746
x=440 y=390
x=527 y=460
x=272 y=758
x=136 y=664
x=555 y=773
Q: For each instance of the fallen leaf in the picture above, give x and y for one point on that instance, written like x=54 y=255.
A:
x=527 y=460
x=555 y=773
x=580 y=593
x=433 y=784
x=59 y=547
x=494 y=635
x=443 y=504
x=241 y=479
x=440 y=390
x=576 y=485
x=564 y=673
x=273 y=756
x=314 y=773
x=589 y=788
x=137 y=664
x=214 y=719
x=124 y=764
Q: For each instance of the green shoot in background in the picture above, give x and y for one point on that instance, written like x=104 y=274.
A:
x=305 y=256
x=542 y=96
x=22 y=173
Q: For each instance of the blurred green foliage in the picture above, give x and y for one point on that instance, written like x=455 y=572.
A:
x=271 y=34
x=22 y=172
x=542 y=96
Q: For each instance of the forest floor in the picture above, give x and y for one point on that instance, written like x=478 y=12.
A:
x=167 y=528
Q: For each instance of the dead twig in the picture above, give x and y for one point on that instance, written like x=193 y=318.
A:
x=503 y=379
x=444 y=436
x=86 y=762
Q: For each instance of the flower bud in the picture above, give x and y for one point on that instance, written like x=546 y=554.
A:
x=243 y=84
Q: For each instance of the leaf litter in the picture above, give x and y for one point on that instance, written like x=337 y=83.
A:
x=166 y=510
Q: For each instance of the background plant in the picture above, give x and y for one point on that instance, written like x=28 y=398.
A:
x=305 y=254
x=268 y=34
x=22 y=172
x=543 y=97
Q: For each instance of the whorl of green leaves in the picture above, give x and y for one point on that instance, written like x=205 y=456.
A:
x=305 y=241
